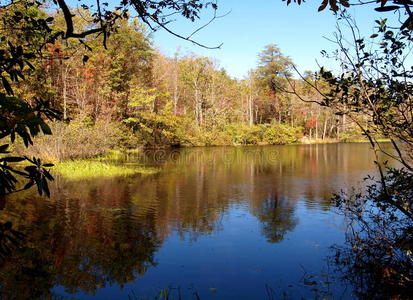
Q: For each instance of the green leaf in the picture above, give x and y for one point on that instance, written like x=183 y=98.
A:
x=46 y=187
x=28 y=185
x=48 y=175
x=45 y=128
x=323 y=5
x=7 y=86
x=12 y=159
x=344 y=3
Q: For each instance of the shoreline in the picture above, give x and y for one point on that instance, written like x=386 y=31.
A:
x=309 y=142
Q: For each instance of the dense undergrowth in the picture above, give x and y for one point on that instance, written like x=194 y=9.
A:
x=82 y=140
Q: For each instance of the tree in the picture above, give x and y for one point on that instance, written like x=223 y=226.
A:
x=26 y=34
x=20 y=52
x=401 y=7
x=375 y=91
x=273 y=68
x=196 y=75
x=273 y=72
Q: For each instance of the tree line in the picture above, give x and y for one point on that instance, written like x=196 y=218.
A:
x=143 y=97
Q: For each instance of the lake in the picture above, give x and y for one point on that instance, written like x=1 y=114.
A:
x=213 y=223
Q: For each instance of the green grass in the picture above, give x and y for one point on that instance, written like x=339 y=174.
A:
x=117 y=154
x=367 y=141
x=78 y=169
x=338 y=141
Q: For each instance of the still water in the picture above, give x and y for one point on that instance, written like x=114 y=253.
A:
x=218 y=223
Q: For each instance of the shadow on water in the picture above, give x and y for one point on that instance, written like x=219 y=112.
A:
x=107 y=232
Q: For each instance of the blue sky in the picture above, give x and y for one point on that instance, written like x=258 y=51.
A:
x=298 y=30
x=252 y=24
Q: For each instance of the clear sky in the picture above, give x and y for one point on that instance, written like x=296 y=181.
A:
x=251 y=24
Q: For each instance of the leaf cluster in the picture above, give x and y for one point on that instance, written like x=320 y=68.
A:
x=376 y=84
x=378 y=257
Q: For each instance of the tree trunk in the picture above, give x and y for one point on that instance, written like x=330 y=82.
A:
x=175 y=96
x=338 y=128
x=197 y=106
x=64 y=89
x=250 y=111
x=325 y=127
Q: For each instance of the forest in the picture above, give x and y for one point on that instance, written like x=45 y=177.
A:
x=128 y=94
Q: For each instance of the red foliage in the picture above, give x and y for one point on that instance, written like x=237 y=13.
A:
x=311 y=123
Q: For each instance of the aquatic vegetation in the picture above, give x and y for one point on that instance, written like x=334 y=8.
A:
x=91 y=169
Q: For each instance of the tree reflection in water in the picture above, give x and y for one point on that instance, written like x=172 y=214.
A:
x=277 y=218
x=76 y=243
x=95 y=233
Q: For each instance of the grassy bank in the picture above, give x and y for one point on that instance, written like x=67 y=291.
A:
x=79 y=169
x=336 y=141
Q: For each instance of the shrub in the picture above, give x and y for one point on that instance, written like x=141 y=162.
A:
x=208 y=135
x=352 y=133
x=242 y=134
x=263 y=134
x=159 y=130
x=76 y=140
x=377 y=258
x=280 y=134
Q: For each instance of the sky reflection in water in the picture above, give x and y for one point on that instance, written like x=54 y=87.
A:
x=223 y=222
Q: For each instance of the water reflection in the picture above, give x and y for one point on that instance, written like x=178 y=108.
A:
x=81 y=240
x=107 y=232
